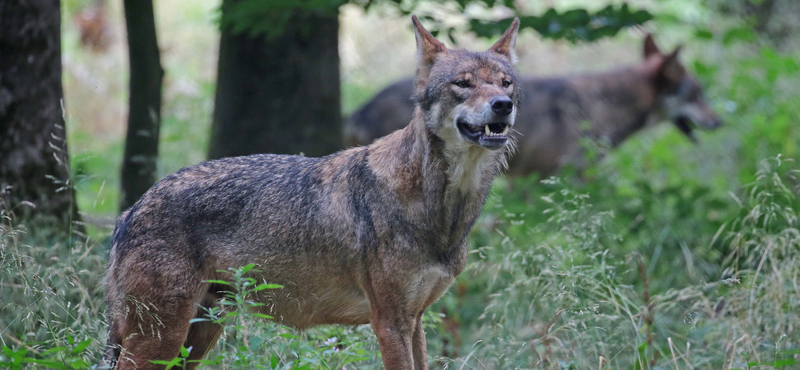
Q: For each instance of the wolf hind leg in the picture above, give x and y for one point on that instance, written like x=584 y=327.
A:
x=203 y=335
x=152 y=334
x=112 y=351
x=202 y=338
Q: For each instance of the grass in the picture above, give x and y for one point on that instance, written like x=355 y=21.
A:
x=665 y=255
x=574 y=297
x=560 y=293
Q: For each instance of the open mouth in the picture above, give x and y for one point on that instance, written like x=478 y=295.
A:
x=686 y=126
x=490 y=136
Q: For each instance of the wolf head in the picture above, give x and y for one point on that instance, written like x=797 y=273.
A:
x=467 y=98
x=680 y=95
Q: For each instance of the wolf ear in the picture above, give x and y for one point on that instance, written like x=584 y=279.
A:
x=650 y=47
x=505 y=46
x=671 y=67
x=428 y=47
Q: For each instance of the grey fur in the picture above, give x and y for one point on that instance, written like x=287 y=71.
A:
x=368 y=235
x=556 y=112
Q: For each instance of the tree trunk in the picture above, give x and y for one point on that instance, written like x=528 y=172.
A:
x=34 y=162
x=279 y=95
x=144 y=115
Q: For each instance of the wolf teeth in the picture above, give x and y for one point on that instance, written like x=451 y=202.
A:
x=490 y=133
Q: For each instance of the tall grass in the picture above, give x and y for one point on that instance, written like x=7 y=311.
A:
x=558 y=294
x=562 y=295
x=51 y=307
x=656 y=258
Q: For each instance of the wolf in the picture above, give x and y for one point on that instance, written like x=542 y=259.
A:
x=557 y=112
x=372 y=234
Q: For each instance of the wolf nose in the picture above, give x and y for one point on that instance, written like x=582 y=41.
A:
x=502 y=105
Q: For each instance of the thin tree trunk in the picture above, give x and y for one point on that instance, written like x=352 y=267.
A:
x=144 y=115
x=34 y=162
x=279 y=95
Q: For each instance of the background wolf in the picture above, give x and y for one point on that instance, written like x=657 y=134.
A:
x=368 y=235
x=556 y=112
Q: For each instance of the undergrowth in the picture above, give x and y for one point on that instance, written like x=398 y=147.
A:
x=573 y=300
x=562 y=293
x=665 y=255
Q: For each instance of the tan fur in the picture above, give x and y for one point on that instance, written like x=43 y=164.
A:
x=368 y=235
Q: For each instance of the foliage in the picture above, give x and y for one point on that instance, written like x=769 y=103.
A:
x=573 y=25
x=51 y=310
x=258 y=17
x=664 y=254
x=249 y=342
x=565 y=292
x=708 y=221
x=268 y=18
x=62 y=358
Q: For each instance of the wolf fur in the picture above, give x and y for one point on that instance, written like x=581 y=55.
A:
x=556 y=112
x=372 y=234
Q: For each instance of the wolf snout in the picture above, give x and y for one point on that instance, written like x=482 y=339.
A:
x=714 y=123
x=502 y=105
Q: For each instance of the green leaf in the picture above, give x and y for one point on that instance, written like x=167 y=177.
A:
x=784 y=362
x=81 y=346
x=169 y=364
x=263 y=316
x=216 y=361
x=223 y=282
x=704 y=70
x=247 y=268
x=354 y=359
x=56 y=349
x=267 y=286
x=50 y=364
x=703 y=34
x=21 y=353
x=8 y=351
x=573 y=25
x=738 y=34
x=185 y=351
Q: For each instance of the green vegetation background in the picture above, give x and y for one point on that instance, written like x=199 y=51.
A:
x=665 y=254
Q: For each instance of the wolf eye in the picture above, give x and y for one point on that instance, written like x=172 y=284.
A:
x=462 y=83
x=506 y=83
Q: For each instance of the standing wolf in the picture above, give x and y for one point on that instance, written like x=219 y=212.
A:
x=557 y=112
x=369 y=235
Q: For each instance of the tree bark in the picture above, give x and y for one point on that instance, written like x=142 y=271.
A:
x=279 y=95
x=144 y=115
x=34 y=162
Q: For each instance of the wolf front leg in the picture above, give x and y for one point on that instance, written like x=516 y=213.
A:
x=419 y=346
x=394 y=331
